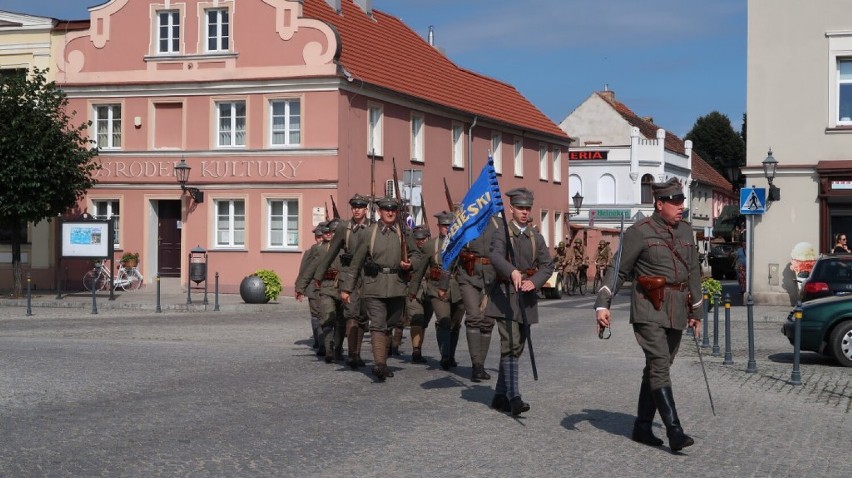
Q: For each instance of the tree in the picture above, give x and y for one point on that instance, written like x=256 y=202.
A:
x=715 y=140
x=46 y=162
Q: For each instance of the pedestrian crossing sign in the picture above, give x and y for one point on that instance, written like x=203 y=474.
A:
x=752 y=200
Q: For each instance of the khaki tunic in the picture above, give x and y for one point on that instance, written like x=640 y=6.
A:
x=382 y=245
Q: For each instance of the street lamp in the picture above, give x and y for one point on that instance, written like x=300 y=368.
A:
x=182 y=174
x=578 y=202
x=770 y=165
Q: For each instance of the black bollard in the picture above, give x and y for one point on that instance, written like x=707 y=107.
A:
x=205 y=290
x=705 y=341
x=216 y=294
x=29 y=295
x=59 y=284
x=159 y=309
x=717 y=299
x=188 y=291
x=796 y=375
x=752 y=365
x=94 y=297
x=729 y=359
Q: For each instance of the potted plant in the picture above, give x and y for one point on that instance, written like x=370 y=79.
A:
x=130 y=259
x=261 y=287
x=712 y=288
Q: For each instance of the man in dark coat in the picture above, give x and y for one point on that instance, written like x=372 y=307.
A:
x=659 y=253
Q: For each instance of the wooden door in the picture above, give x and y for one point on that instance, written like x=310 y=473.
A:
x=168 y=235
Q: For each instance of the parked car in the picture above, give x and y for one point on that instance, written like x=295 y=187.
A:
x=722 y=259
x=826 y=328
x=831 y=275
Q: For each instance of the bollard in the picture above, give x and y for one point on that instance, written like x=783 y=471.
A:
x=796 y=375
x=59 y=284
x=216 y=294
x=752 y=365
x=728 y=357
x=188 y=291
x=94 y=297
x=705 y=341
x=717 y=299
x=205 y=292
x=29 y=295
x=159 y=309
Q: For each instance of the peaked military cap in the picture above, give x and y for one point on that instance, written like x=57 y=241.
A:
x=388 y=203
x=421 y=232
x=318 y=230
x=331 y=226
x=671 y=189
x=359 y=201
x=445 y=218
x=522 y=197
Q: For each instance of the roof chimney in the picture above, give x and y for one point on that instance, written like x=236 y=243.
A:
x=366 y=5
x=649 y=119
x=431 y=36
x=607 y=94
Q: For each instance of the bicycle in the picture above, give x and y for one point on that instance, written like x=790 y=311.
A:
x=599 y=275
x=575 y=280
x=127 y=278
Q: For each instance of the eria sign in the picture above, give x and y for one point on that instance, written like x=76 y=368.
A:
x=587 y=155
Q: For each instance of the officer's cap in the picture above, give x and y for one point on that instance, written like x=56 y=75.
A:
x=421 y=232
x=332 y=225
x=522 y=197
x=388 y=203
x=359 y=201
x=320 y=227
x=445 y=218
x=671 y=189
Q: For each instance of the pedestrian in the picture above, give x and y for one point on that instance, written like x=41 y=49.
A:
x=840 y=244
x=514 y=298
x=741 y=266
x=309 y=290
x=659 y=254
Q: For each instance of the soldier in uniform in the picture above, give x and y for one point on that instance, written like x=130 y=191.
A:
x=309 y=289
x=580 y=259
x=659 y=253
x=604 y=254
x=518 y=280
x=419 y=310
x=342 y=244
x=476 y=277
x=378 y=257
x=442 y=292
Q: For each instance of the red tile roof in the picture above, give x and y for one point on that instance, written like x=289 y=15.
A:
x=383 y=51
x=703 y=172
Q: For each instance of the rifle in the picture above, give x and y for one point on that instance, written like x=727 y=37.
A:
x=400 y=221
x=450 y=203
x=326 y=212
x=333 y=208
x=423 y=211
x=372 y=185
x=616 y=266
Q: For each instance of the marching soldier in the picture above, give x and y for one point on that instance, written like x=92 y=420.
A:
x=532 y=267
x=309 y=289
x=342 y=244
x=378 y=258
x=419 y=310
x=659 y=253
x=442 y=292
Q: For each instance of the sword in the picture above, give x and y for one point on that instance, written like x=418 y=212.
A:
x=616 y=267
x=703 y=370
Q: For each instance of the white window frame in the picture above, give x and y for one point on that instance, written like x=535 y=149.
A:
x=221 y=37
x=231 y=229
x=233 y=120
x=112 y=211
x=112 y=124
x=418 y=137
x=292 y=122
x=557 y=165
x=289 y=221
x=172 y=30
x=545 y=226
x=375 y=126
x=496 y=151
x=843 y=120
x=542 y=162
x=457 y=135
x=558 y=225
x=519 y=157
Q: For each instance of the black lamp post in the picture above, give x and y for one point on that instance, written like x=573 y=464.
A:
x=770 y=166
x=578 y=202
x=182 y=174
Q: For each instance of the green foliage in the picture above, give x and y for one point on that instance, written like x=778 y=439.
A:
x=130 y=256
x=271 y=282
x=711 y=287
x=715 y=140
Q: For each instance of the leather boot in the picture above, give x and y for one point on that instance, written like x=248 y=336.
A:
x=379 y=341
x=327 y=337
x=484 y=344
x=417 y=334
x=396 y=341
x=645 y=411
x=443 y=337
x=359 y=333
x=354 y=338
x=315 y=329
x=501 y=403
x=664 y=400
x=339 y=334
x=453 y=343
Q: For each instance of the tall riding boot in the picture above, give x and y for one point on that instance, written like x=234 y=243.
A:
x=396 y=341
x=327 y=334
x=339 y=334
x=484 y=344
x=513 y=391
x=646 y=409
x=379 y=341
x=477 y=367
x=315 y=329
x=353 y=333
x=417 y=334
x=668 y=413
x=453 y=343
x=443 y=336
x=500 y=400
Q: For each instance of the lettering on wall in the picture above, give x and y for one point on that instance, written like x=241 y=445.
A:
x=587 y=155
x=209 y=169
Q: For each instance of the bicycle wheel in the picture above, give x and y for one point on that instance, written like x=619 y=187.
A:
x=134 y=278
x=89 y=280
x=582 y=282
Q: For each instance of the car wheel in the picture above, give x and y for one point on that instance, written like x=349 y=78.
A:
x=841 y=343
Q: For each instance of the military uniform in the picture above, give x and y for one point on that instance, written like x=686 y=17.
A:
x=661 y=257
x=419 y=310
x=341 y=245
x=377 y=260
x=604 y=254
x=308 y=289
x=532 y=260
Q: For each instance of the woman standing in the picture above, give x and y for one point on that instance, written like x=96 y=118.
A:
x=741 y=266
x=840 y=246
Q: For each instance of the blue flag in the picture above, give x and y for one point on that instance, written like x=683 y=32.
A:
x=479 y=204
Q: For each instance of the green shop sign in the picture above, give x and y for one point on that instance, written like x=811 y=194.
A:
x=607 y=213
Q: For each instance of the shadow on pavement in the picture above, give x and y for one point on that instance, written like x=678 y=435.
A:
x=616 y=423
x=478 y=394
x=805 y=358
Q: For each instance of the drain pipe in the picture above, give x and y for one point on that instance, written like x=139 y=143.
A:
x=470 y=152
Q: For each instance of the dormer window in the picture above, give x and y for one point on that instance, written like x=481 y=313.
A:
x=218 y=29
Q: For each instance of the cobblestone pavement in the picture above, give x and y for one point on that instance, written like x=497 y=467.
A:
x=129 y=392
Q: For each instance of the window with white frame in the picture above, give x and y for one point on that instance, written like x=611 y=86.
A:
x=458 y=145
x=282 y=219
x=496 y=154
x=168 y=31
x=647 y=194
x=286 y=123
x=218 y=29
x=230 y=223
x=545 y=227
x=374 y=139
x=418 y=152
x=232 y=124
x=108 y=126
x=542 y=162
x=557 y=165
x=519 y=157
x=844 y=91
x=557 y=227
x=109 y=209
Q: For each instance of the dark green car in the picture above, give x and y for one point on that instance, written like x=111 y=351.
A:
x=826 y=327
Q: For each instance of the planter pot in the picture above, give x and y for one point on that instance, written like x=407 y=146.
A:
x=253 y=291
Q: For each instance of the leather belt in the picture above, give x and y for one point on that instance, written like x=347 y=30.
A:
x=390 y=270
x=681 y=286
x=483 y=260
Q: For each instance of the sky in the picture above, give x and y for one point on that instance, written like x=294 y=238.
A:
x=672 y=60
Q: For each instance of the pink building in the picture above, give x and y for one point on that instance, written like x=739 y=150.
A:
x=277 y=105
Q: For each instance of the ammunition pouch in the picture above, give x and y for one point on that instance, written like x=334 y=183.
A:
x=371 y=269
x=654 y=289
x=345 y=259
x=330 y=274
x=435 y=273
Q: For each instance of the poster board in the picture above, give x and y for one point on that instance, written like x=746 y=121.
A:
x=90 y=239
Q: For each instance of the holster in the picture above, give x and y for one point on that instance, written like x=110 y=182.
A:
x=345 y=259
x=654 y=288
x=330 y=274
x=371 y=269
x=435 y=273
x=468 y=261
